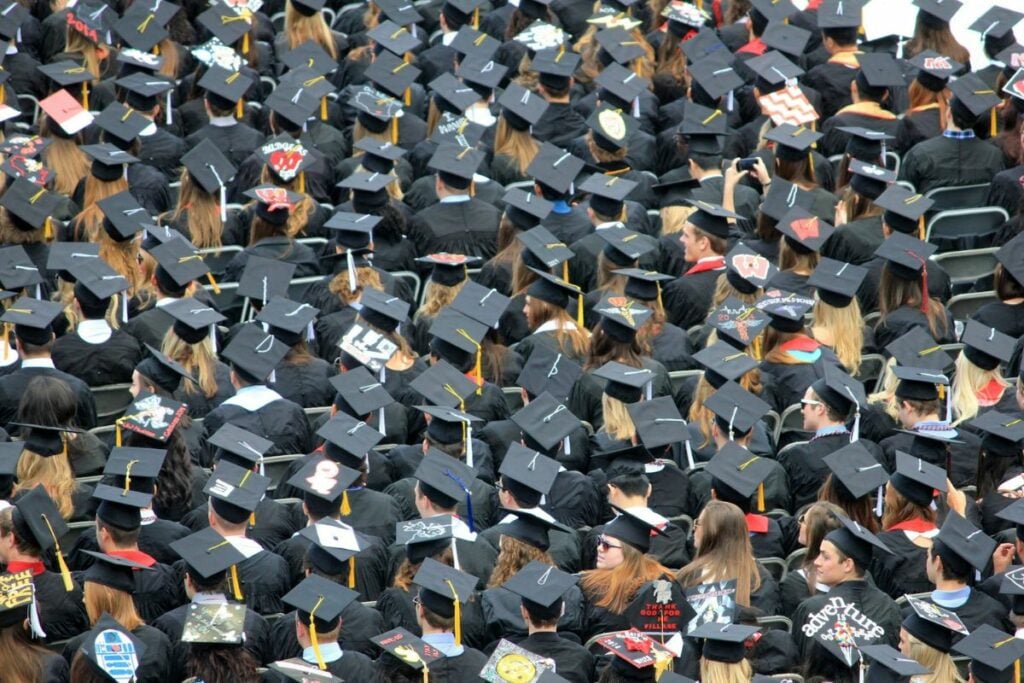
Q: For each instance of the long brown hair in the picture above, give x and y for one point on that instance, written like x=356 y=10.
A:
x=793 y=260
x=89 y=221
x=407 y=570
x=121 y=256
x=75 y=42
x=613 y=589
x=570 y=338
x=895 y=292
x=20 y=657
x=859 y=510
x=204 y=224
x=702 y=415
x=298 y=217
x=198 y=359
x=929 y=35
x=67 y=160
x=920 y=97
x=899 y=508
x=517 y=145
x=773 y=351
x=99 y=598
x=365 y=277
x=725 y=552
x=515 y=555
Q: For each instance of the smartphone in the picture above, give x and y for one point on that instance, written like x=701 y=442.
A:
x=747 y=164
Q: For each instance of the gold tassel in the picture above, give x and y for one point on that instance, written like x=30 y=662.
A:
x=757 y=347
x=394 y=130
x=458 y=612
x=236 y=584
x=252 y=518
x=314 y=641
x=992 y=123
x=323 y=108
x=407 y=97
x=245 y=44
x=1016 y=671
x=238 y=110
x=302 y=182
x=117 y=433
x=346 y=509
x=920 y=228
x=942 y=392
x=156 y=49
x=579 y=310
x=476 y=17
x=760 y=497
x=85 y=95
x=48 y=230
x=426 y=675
x=565 y=270
x=352 y=572
x=3 y=94
x=65 y=574
x=213 y=283
x=663 y=662
x=478 y=369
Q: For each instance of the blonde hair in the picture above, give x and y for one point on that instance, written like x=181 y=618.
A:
x=842 y=330
x=65 y=296
x=968 y=380
x=54 y=473
x=91 y=60
x=437 y=297
x=68 y=162
x=886 y=394
x=517 y=145
x=99 y=598
x=941 y=665
x=674 y=218
x=617 y=422
x=89 y=221
x=723 y=672
x=204 y=224
x=172 y=58
x=301 y=28
x=198 y=359
x=365 y=277
x=799 y=262
x=513 y=556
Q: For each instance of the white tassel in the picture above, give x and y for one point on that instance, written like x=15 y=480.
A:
x=310 y=331
x=350 y=263
x=566 y=447
x=124 y=307
x=262 y=472
x=213 y=337
x=380 y=422
x=455 y=556
x=729 y=101
x=169 y=118
x=689 y=454
x=636 y=107
x=273 y=377
x=649 y=390
x=880 y=501
x=33 y=616
x=469 y=445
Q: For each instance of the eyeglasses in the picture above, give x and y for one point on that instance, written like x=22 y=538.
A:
x=416 y=600
x=603 y=544
x=808 y=402
x=802 y=519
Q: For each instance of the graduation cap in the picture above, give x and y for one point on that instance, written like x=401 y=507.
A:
x=227 y=25
x=935 y=70
x=443 y=385
x=705 y=43
x=711 y=218
x=738 y=324
x=785 y=310
x=838 y=14
x=456 y=164
x=133 y=60
x=866 y=144
x=611 y=128
x=29 y=203
x=528 y=474
x=916 y=348
x=17 y=599
x=32 y=318
x=715 y=77
x=997 y=24
x=542 y=251
x=905 y=255
x=555 y=168
x=479 y=303
x=774 y=10
x=327 y=480
x=549 y=371
x=319 y=602
x=1014 y=512
x=963 y=545
x=92 y=20
x=556 y=292
x=917 y=480
x=641 y=284
x=521 y=107
x=724 y=642
x=541 y=587
x=919 y=384
x=134 y=469
x=995 y=655
x=855 y=541
x=624 y=382
x=192 y=319
x=451 y=426
x=805 y=233
x=153 y=416
x=1002 y=433
x=206 y=554
x=310 y=55
x=397 y=39
x=360 y=393
x=748 y=271
x=634 y=526
x=621 y=317
x=972 y=96
x=112 y=651
x=225 y=88
x=986 y=346
x=458 y=340
x=545 y=421
x=124 y=217
x=112 y=571
x=288 y=320
x=408 y=648
x=783 y=196
x=235 y=491
x=737 y=469
x=608 y=195
x=452 y=95
x=120 y=506
x=938 y=11
x=142 y=91
x=352 y=231
x=619 y=44
x=62 y=256
x=334 y=545
x=842 y=393
x=531 y=526
x=635 y=652
x=239 y=446
x=837 y=282
x=470 y=41
x=348 y=440
x=684 y=18
x=255 y=352
x=383 y=310
x=737 y=409
x=857 y=470
x=658 y=423
x=108 y=161
x=482 y=74
x=443 y=590
x=143 y=27
x=620 y=86
x=723 y=363
x=792 y=142
x=178 y=264
x=555 y=66
x=879 y=70
x=932 y=624
x=286 y=157
x=773 y=70
x=208 y=166
x=786 y=38
x=891 y=660
x=401 y=12
x=215 y=52
x=32 y=170
x=379 y=155
x=870 y=180
x=12 y=17
x=446 y=479
x=265 y=278
x=37 y=520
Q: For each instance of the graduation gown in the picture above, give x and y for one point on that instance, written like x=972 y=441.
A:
x=855 y=242
x=14 y=385
x=98 y=364
x=155 y=538
x=485 y=501
x=573 y=662
x=359 y=623
x=832 y=79
x=559 y=125
x=917 y=125
x=963 y=456
x=352 y=666
x=264 y=579
x=793 y=591
x=688 y=298
x=863 y=114
x=806 y=468
x=199 y=404
x=776 y=490
x=273 y=525
x=903 y=571
x=371 y=565
x=467 y=227
x=61 y=612
x=155 y=664
x=150 y=326
x=256 y=629
x=398 y=610
x=792 y=380
x=574 y=500
x=238 y=141
x=280 y=249
x=944 y=162
x=979 y=608
x=500 y=608
x=306 y=384
x=161 y=150
x=264 y=412
x=565 y=547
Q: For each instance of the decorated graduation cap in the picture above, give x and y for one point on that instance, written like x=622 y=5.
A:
x=193 y=320
x=549 y=371
x=555 y=168
x=804 y=232
x=542 y=588
x=739 y=474
x=637 y=656
x=870 y=180
x=933 y=624
x=962 y=546
x=348 y=440
x=621 y=317
x=527 y=474
x=711 y=218
x=443 y=590
x=904 y=210
x=37 y=520
x=723 y=362
x=995 y=655
x=935 y=70
x=625 y=382
x=17 y=601
x=214 y=624
x=837 y=282
x=608 y=195
x=1002 y=433
x=153 y=416
x=986 y=346
x=785 y=310
x=289 y=321
x=235 y=491
x=112 y=651
x=531 y=526
x=917 y=480
x=738 y=325
x=610 y=128
x=409 y=649
x=635 y=526
x=546 y=421
x=328 y=481
x=255 y=352
x=319 y=602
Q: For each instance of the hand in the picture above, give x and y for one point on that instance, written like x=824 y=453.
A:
x=955 y=498
x=840 y=213
x=733 y=173
x=761 y=171
x=1002 y=558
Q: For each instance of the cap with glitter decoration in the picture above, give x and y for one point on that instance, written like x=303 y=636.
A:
x=864 y=143
x=974 y=94
x=624 y=382
x=29 y=203
x=995 y=655
x=737 y=409
x=935 y=70
x=320 y=601
x=207 y=553
x=621 y=83
x=555 y=66
x=374 y=109
x=225 y=86
x=255 y=352
x=723 y=363
x=905 y=255
x=634 y=526
x=480 y=303
x=555 y=168
x=715 y=78
x=786 y=310
x=880 y=70
x=658 y=422
x=456 y=164
x=542 y=249
x=112 y=651
x=856 y=469
x=153 y=416
x=711 y=218
x=36 y=517
x=738 y=325
x=635 y=653
x=916 y=479
x=805 y=233
x=540 y=584
x=623 y=247
x=239 y=446
x=214 y=624
x=520 y=107
x=32 y=318
x=224 y=23
x=837 y=282
x=621 y=317
x=443 y=385
x=774 y=69
x=792 y=142
x=939 y=10
x=549 y=371
x=285 y=156
x=986 y=346
x=264 y=278
x=235 y=491
x=209 y=167
x=786 y=38
x=620 y=44
x=144 y=27
x=393 y=37
x=916 y=348
x=483 y=75
x=546 y=421
x=124 y=216
x=310 y=55
x=324 y=478
x=181 y=262
x=528 y=468
x=933 y=624
x=286 y=319
x=445 y=475
x=610 y=128
x=348 y=440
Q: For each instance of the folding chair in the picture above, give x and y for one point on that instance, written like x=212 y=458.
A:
x=961 y=229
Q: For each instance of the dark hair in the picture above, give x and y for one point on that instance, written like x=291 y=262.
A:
x=603 y=349
x=631 y=484
x=33 y=349
x=1006 y=285
x=84 y=672
x=48 y=401
x=221 y=664
x=391 y=227
x=120 y=537
x=173 y=497
x=707 y=161
x=842 y=36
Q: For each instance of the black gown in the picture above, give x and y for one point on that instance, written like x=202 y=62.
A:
x=832 y=79
x=560 y=124
x=359 y=623
x=157 y=589
x=944 y=162
x=307 y=384
x=371 y=565
x=237 y=142
x=109 y=362
x=256 y=628
x=154 y=539
x=903 y=571
x=469 y=227
x=806 y=468
x=162 y=150
x=573 y=662
x=14 y=385
x=939 y=286
x=963 y=456
x=353 y=666
x=62 y=613
x=274 y=522
x=280 y=421
x=565 y=546
x=280 y=249
x=979 y=609
x=199 y=404
x=150 y=326
x=687 y=299
x=264 y=579
x=500 y=608
x=155 y=664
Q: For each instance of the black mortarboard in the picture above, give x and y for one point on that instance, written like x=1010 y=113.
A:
x=737 y=409
x=935 y=70
x=29 y=203
x=112 y=571
x=108 y=160
x=393 y=37
x=704 y=44
x=774 y=10
x=442 y=474
x=153 y=416
x=379 y=155
x=469 y=41
x=549 y=371
x=97 y=283
x=997 y=23
x=624 y=382
x=265 y=278
x=361 y=391
x=715 y=77
x=972 y=93
x=112 y=651
x=521 y=107
x=711 y=218
x=555 y=168
x=531 y=526
x=658 y=422
x=856 y=469
x=208 y=166
x=856 y=541
x=607 y=193
x=783 y=196
x=917 y=349
x=773 y=69
x=724 y=642
x=919 y=384
x=287 y=320
x=480 y=303
x=44 y=440
x=917 y=480
x=804 y=232
x=142 y=91
x=738 y=324
x=1011 y=255
x=455 y=164
x=207 y=553
x=933 y=624
x=893 y=661
x=555 y=66
x=297 y=96
x=785 y=310
x=840 y=391
x=124 y=217
x=63 y=255
x=449 y=425
x=180 y=262
x=481 y=74
x=120 y=505
x=542 y=250
x=348 y=440
x=870 y=180
x=334 y=542
x=643 y=285
x=723 y=362
x=939 y=10
x=224 y=23
x=401 y=12
x=619 y=85
x=451 y=94
x=839 y=14
x=864 y=143
x=792 y=142
x=837 y=282
x=906 y=256
x=970 y=545
x=740 y=471
x=319 y=602
x=32 y=318
x=529 y=469
x=623 y=247
x=621 y=317
x=367 y=185
x=786 y=38
x=239 y=446
x=541 y=584
x=235 y=491
x=442 y=587
x=1002 y=433
x=986 y=346
x=748 y=271
x=143 y=27
x=553 y=290
x=311 y=55
x=457 y=339
x=66 y=73
x=995 y=655
x=192 y=319
x=546 y=421
x=443 y=385
x=37 y=520
x=255 y=352
x=880 y=70
x=353 y=230
x=634 y=526
x=619 y=44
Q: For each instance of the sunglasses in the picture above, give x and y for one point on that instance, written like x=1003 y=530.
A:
x=603 y=544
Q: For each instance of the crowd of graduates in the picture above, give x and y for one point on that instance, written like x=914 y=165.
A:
x=526 y=341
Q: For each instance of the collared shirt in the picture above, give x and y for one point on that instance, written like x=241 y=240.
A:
x=331 y=652
x=958 y=134
x=455 y=199
x=951 y=599
x=148 y=131
x=38 y=363
x=830 y=431
x=160 y=303
x=223 y=121
x=253 y=397
x=938 y=427
x=94 y=331
x=210 y=599
x=445 y=642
